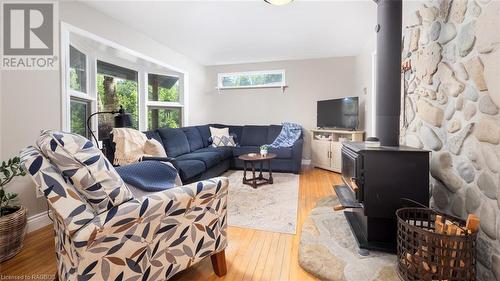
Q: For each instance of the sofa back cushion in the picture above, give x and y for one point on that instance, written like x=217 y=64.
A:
x=273 y=132
x=175 y=141
x=204 y=131
x=194 y=138
x=254 y=135
x=88 y=170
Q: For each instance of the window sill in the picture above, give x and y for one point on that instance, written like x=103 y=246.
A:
x=252 y=88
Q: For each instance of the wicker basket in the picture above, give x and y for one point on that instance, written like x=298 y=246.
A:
x=426 y=255
x=12 y=232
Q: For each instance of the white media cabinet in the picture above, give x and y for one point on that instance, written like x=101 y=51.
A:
x=326 y=147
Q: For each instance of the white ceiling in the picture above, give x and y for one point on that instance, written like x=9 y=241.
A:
x=226 y=32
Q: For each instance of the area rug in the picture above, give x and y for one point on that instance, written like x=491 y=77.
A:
x=269 y=207
x=329 y=251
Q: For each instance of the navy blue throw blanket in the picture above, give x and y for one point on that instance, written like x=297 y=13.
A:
x=149 y=176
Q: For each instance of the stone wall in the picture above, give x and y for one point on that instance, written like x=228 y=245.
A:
x=451 y=104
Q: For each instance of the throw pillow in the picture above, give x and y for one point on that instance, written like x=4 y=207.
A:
x=86 y=168
x=219 y=132
x=223 y=141
x=154 y=148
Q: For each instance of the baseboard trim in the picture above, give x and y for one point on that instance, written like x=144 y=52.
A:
x=38 y=221
x=306 y=161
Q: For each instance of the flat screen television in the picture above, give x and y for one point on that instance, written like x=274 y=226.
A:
x=338 y=113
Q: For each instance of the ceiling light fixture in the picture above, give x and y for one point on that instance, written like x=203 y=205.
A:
x=278 y=2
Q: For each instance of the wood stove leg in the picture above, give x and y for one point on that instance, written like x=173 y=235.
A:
x=219 y=263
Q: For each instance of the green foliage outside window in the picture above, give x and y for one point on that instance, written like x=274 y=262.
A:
x=79 y=111
x=126 y=96
x=251 y=80
x=164 y=94
x=167 y=117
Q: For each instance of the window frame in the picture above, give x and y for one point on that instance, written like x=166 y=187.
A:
x=88 y=113
x=220 y=76
x=164 y=104
x=166 y=108
x=150 y=65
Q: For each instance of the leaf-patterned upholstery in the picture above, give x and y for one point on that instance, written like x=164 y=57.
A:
x=87 y=168
x=147 y=238
x=72 y=210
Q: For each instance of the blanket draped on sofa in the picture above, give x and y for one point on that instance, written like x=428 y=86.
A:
x=289 y=134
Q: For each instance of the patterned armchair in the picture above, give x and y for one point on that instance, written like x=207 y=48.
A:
x=124 y=238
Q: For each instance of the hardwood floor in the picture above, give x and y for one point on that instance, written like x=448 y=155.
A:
x=250 y=255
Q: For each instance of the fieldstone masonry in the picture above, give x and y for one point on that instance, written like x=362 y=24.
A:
x=452 y=107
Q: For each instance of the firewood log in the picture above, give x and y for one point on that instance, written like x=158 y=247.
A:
x=473 y=223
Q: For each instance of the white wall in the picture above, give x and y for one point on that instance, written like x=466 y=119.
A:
x=308 y=81
x=364 y=80
x=31 y=100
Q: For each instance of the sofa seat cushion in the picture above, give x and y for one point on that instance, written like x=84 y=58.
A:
x=254 y=136
x=86 y=167
x=175 y=141
x=224 y=152
x=190 y=168
x=209 y=158
x=281 y=153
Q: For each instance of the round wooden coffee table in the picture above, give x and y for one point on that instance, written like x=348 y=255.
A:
x=252 y=161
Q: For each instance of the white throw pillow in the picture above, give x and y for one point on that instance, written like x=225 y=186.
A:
x=219 y=132
x=154 y=148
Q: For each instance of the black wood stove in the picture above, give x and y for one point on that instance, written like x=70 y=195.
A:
x=378 y=180
x=377 y=183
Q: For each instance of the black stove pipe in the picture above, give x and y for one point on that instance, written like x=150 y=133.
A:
x=388 y=83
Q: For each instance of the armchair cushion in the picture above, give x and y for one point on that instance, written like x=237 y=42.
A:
x=68 y=206
x=86 y=167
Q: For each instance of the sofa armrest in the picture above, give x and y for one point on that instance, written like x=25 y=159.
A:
x=189 y=219
x=297 y=155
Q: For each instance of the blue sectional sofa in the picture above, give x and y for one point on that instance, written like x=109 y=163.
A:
x=196 y=159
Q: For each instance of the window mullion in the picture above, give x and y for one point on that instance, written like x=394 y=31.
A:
x=92 y=63
x=142 y=89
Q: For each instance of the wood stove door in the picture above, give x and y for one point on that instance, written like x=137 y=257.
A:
x=350 y=171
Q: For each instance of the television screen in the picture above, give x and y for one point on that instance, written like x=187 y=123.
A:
x=338 y=113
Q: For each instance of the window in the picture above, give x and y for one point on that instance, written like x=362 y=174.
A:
x=80 y=102
x=116 y=86
x=77 y=70
x=164 y=107
x=80 y=111
x=101 y=76
x=164 y=117
x=254 y=79
x=163 y=88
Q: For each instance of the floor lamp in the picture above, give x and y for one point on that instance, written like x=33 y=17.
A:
x=122 y=120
